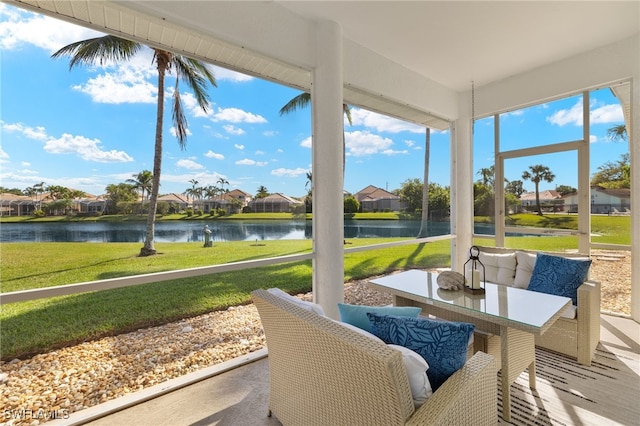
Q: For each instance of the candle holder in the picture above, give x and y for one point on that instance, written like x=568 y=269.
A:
x=473 y=284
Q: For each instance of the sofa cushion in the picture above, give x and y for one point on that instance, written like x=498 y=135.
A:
x=416 y=368
x=307 y=306
x=357 y=314
x=524 y=269
x=559 y=275
x=443 y=344
x=499 y=268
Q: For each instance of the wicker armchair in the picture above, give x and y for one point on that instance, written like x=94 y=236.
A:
x=576 y=337
x=322 y=373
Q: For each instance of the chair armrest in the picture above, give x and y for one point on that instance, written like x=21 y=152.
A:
x=588 y=316
x=468 y=397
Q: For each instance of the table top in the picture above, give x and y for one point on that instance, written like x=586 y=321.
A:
x=523 y=309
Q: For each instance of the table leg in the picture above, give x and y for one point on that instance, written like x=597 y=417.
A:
x=518 y=354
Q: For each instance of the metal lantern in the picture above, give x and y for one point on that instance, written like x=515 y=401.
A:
x=474 y=284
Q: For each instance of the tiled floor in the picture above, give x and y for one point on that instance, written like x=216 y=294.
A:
x=240 y=396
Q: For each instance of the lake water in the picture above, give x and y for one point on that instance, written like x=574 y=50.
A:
x=191 y=231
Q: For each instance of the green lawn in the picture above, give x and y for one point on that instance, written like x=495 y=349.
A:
x=40 y=325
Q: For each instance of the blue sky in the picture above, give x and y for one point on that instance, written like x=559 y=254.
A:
x=91 y=127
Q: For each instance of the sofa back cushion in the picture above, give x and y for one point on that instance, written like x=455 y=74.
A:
x=524 y=269
x=500 y=268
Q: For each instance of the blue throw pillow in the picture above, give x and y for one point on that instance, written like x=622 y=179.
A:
x=443 y=344
x=559 y=275
x=357 y=314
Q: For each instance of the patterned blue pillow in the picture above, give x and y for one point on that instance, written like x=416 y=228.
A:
x=559 y=275
x=443 y=344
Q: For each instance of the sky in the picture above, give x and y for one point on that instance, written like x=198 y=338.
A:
x=90 y=127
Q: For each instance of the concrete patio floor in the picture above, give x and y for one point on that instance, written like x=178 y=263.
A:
x=240 y=396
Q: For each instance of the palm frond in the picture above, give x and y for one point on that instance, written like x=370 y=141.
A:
x=300 y=101
x=197 y=75
x=99 y=50
x=347 y=111
x=179 y=119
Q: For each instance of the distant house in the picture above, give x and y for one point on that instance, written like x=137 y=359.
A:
x=23 y=205
x=547 y=198
x=274 y=203
x=177 y=202
x=374 y=199
x=603 y=200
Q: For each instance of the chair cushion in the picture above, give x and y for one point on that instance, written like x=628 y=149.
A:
x=500 y=268
x=417 y=371
x=524 y=269
x=559 y=275
x=357 y=314
x=308 y=306
x=443 y=344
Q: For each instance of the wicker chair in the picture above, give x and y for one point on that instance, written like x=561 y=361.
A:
x=322 y=373
x=576 y=337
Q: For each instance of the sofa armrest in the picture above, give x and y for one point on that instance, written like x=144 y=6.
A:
x=588 y=317
x=468 y=397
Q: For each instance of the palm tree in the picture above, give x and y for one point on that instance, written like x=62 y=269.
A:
x=262 y=192
x=194 y=73
x=302 y=101
x=536 y=174
x=143 y=181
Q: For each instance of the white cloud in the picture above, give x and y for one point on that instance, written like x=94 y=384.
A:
x=280 y=150
x=189 y=164
x=269 y=133
x=20 y=28
x=3 y=156
x=214 y=155
x=249 y=162
x=409 y=143
x=228 y=75
x=85 y=148
x=126 y=85
x=236 y=115
x=365 y=143
x=382 y=123
x=233 y=130
x=306 y=143
x=38 y=133
x=292 y=173
x=601 y=115
x=394 y=152
x=258 y=152
x=240 y=147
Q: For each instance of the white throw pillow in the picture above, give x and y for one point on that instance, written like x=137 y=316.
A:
x=308 y=306
x=500 y=268
x=524 y=269
x=417 y=371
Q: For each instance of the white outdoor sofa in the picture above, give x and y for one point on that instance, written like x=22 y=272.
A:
x=575 y=334
x=324 y=373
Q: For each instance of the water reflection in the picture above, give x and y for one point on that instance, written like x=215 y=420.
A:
x=192 y=231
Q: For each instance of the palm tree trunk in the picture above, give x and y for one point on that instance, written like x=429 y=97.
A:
x=538 y=200
x=424 y=225
x=149 y=248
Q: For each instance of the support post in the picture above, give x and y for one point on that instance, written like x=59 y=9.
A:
x=327 y=169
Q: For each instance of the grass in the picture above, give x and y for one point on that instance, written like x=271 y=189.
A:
x=41 y=325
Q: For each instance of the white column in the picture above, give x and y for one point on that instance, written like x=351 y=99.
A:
x=633 y=134
x=462 y=184
x=328 y=133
